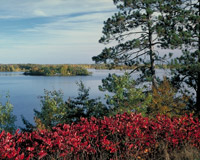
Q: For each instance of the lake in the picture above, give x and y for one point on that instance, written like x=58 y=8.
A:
x=25 y=90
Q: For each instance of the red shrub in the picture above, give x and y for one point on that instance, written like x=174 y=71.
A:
x=120 y=137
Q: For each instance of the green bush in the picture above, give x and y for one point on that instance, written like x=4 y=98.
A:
x=7 y=119
x=123 y=95
x=55 y=110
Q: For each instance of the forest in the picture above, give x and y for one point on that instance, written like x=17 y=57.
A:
x=143 y=118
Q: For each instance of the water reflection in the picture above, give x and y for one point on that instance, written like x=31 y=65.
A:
x=10 y=74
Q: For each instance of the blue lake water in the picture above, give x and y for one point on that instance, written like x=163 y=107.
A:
x=25 y=90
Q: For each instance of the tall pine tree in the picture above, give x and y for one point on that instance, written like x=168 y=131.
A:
x=187 y=66
x=137 y=32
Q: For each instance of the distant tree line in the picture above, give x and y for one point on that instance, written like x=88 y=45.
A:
x=62 y=67
x=57 y=70
x=45 y=70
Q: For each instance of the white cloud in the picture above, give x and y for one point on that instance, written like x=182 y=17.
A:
x=36 y=8
x=61 y=31
x=40 y=13
x=7 y=17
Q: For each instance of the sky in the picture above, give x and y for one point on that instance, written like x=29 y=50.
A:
x=52 y=31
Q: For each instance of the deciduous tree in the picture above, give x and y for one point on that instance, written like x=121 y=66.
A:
x=167 y=101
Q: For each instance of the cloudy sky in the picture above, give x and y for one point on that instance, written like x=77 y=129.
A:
x=52 y=31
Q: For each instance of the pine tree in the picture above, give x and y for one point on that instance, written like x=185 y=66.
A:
x=187 y=66
x=124 y=95
x=137 y=30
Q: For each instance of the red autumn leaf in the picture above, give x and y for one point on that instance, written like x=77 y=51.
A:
x=42 y=154
x=30 y=149
x=20 y=157
x=66 y=126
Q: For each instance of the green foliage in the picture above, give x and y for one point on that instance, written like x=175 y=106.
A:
x=7 y=119
x=123 y=95
x=186 y=73
x=47 y=70
x=54 y=110
x=57 y=70
x=28 y=126
x=83 y=106
x=138 y=29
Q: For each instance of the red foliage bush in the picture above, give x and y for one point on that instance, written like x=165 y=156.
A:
x=120 y=137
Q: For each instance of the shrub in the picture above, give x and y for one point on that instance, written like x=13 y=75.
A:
x=125 y=136
x=123 y=95
x=7 y=119
x=165 y=100
x=55 y=110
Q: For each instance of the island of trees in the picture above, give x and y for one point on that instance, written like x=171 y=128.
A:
x=45 y=70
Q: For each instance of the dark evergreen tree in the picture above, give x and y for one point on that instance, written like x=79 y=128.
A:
x=137 y=30
x=186 y=71
x=84 y=106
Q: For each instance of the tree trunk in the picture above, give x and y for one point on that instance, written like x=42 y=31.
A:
x=152 y=67
x=151 y=53
x=198 y=81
